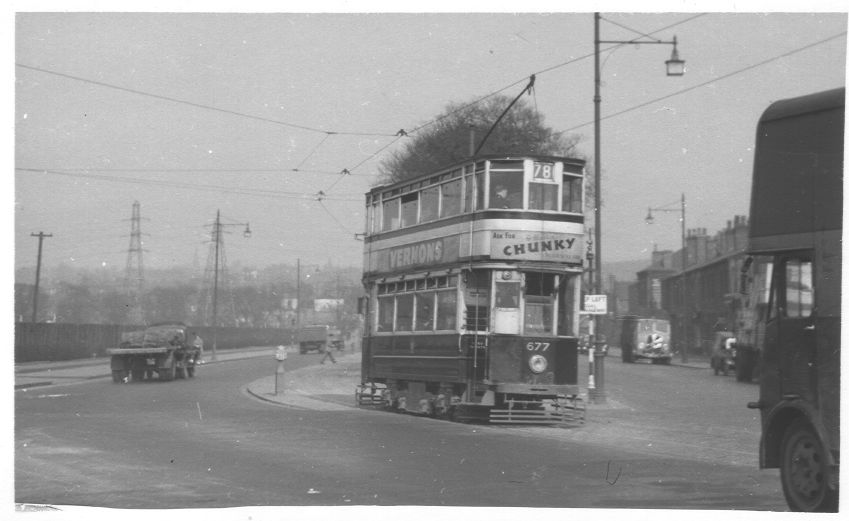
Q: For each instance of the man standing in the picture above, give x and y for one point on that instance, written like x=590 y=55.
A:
x=197 y=342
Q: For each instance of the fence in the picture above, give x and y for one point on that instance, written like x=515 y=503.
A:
x=54 y=342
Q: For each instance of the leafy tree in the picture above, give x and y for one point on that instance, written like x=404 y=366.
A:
x=521 y=131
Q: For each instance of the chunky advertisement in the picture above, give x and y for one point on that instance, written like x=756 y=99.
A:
x=537 y=246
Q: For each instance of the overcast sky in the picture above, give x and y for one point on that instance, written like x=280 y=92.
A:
x=254 y=114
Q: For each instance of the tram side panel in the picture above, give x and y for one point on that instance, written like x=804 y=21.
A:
x=425 y=358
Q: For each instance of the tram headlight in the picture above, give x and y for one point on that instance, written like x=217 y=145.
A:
x=538 y=363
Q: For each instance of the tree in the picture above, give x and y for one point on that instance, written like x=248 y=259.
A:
x=447 y=140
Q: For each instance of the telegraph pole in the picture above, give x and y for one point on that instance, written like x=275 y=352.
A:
x=217 y=237
x=216 y=271
x=41 y=236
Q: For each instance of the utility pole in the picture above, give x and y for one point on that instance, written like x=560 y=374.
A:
x=41 y=236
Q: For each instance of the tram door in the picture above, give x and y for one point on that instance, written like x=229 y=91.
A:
x=505 y=315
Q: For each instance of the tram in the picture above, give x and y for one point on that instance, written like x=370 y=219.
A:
x=472 y=277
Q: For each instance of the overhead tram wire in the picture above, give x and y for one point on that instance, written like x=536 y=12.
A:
x=176 y=184
x=203 y=170
x=403 y=133
x=316 y=147
x=344 y=171
x=196 y=105
x=713 y=80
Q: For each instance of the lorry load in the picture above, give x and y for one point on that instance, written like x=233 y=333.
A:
x=160 y=349
x=318 y=338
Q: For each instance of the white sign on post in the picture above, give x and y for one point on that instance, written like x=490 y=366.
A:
x=595 y=304
x=280 y=354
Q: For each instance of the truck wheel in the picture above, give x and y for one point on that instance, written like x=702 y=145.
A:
x=627 y=356
x=137 y=375
x=118 y=376
x=191 y=371
x=804 y=471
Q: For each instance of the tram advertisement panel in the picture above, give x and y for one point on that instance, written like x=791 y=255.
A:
x=418 y=254
x=537 y=246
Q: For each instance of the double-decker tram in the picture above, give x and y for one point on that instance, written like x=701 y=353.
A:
x=472 y=276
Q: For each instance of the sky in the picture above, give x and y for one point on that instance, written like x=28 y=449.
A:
x=254 y=113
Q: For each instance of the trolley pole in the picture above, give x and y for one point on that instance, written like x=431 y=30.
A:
x=41 y=236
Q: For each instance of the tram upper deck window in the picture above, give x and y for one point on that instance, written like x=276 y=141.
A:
x=480 y=170
x=452 y=198
x=390 y=214
x=430 y=203
x=409 y=209
x=506 y=179
x=573 y=193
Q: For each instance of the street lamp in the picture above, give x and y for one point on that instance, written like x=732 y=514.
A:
x=216 y=236
x=674 y=67
x=684 y=316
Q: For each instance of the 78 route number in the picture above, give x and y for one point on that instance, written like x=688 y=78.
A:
x=537 y=346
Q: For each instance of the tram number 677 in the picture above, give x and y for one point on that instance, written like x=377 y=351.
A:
x=537 y=346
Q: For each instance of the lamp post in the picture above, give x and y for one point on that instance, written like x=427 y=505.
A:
x=674 y=67
x=216 y=236
x=684 y=314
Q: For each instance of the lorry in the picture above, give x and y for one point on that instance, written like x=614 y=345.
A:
x=160 y=349
x=318 y=338
x=796 y=228
x=645 y=338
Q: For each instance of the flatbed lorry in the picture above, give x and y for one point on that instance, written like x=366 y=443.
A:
x=318 y=338
x=160 y=349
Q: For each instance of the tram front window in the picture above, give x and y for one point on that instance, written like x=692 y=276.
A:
x=539 y=303
x=505 y=190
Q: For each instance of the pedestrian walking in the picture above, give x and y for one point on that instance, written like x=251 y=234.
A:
x=328 y=353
